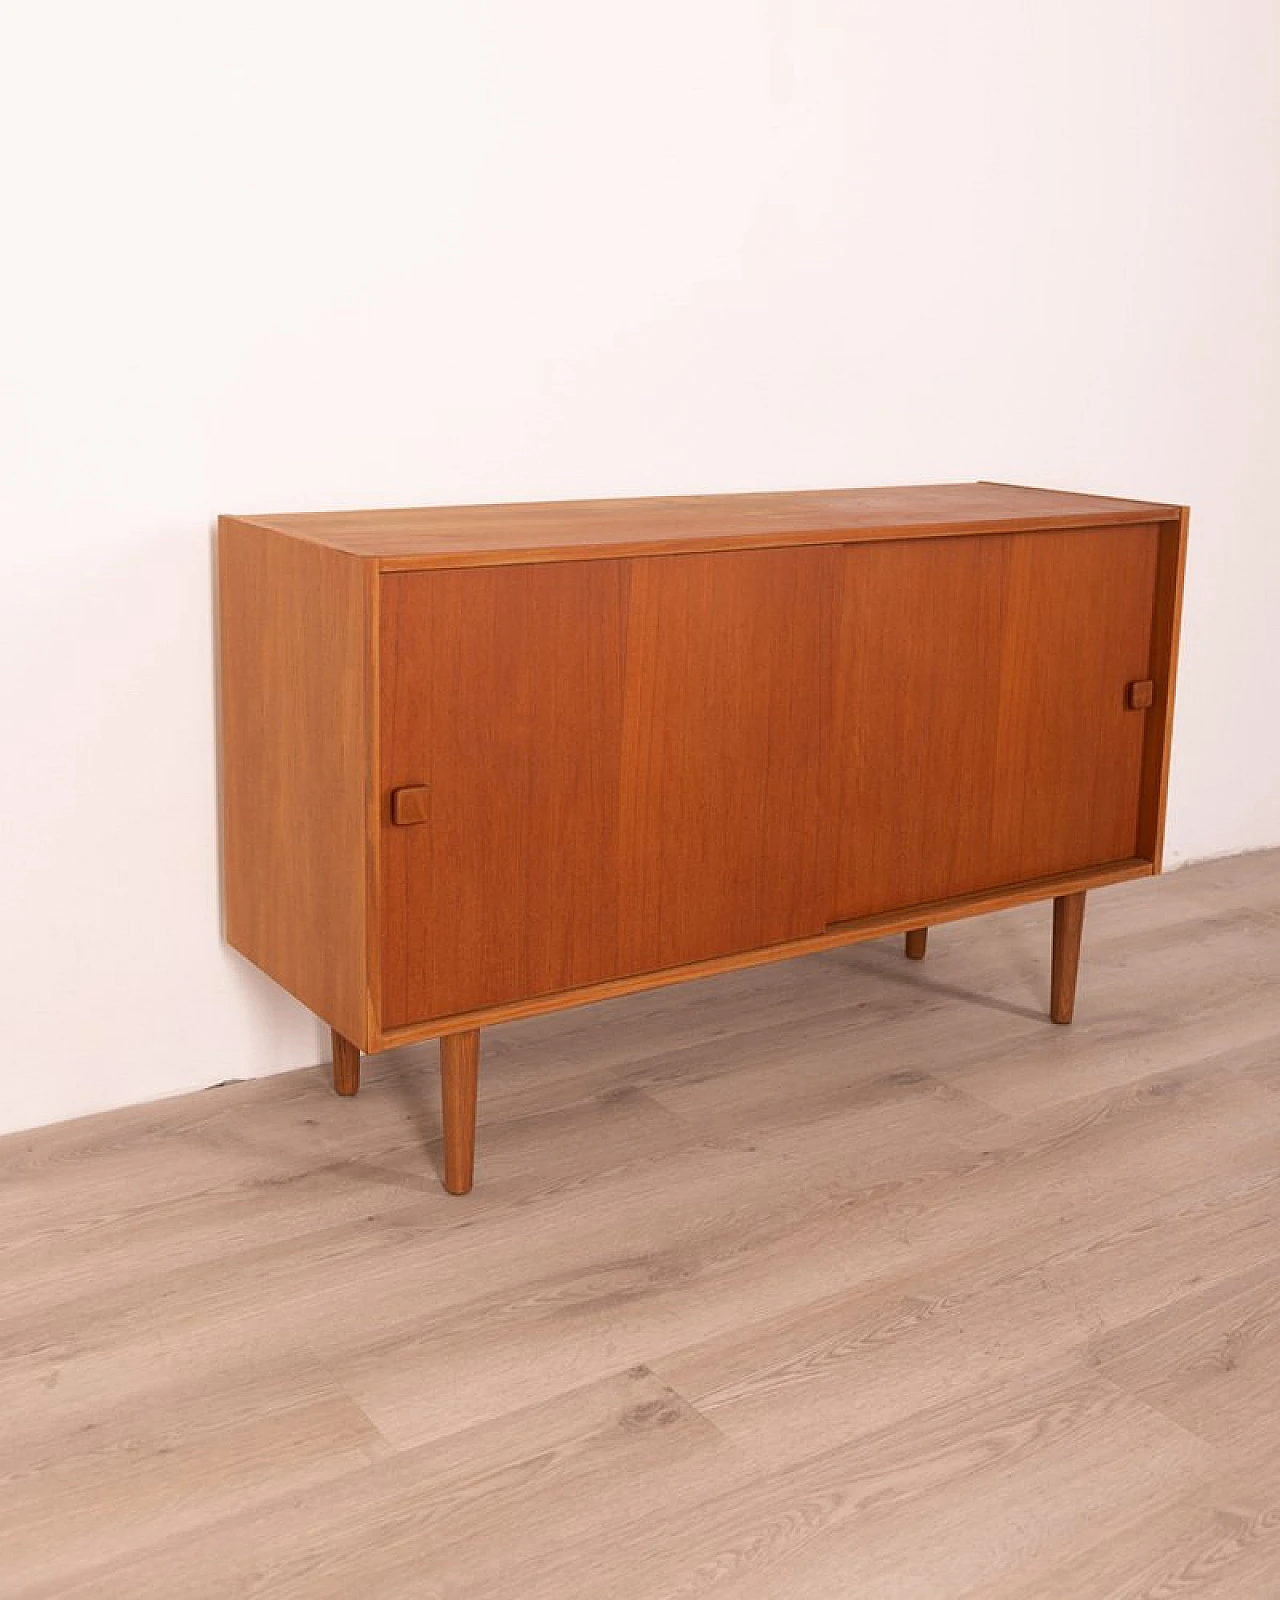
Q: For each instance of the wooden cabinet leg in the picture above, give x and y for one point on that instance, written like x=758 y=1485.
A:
x=346 y=1064
x=459 y=1075
x=917 y=938
x=1068 y=924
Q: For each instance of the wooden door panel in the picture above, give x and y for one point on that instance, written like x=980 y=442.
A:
x=915 y=720
x=724 y=800
x=501 y=691
x=981 y=732
x=1079 y=608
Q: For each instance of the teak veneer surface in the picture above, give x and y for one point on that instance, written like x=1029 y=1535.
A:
x=981 y=729
x=502 y=695
x=578 y=529
x=485 y=761
x=296 y=664
x=723 y=744
x=520 y=697
x=856 y=931
x=1170 y=574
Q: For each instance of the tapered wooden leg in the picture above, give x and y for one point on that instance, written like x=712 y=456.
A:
x=917 y=938
x=1068 y=924
x=459 y=1075
x=346 y=1064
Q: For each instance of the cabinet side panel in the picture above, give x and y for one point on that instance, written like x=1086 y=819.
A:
x=293 y=642
x=1171 y=563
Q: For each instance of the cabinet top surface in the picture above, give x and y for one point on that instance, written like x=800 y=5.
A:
x=551 y=530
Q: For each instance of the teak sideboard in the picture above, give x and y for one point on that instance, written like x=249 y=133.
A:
x=480 y=762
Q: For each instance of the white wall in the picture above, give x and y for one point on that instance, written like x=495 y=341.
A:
x=270 y=256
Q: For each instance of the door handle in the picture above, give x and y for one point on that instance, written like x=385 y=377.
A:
x=411 y=805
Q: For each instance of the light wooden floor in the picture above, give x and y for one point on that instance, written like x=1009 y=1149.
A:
x=851 y=1277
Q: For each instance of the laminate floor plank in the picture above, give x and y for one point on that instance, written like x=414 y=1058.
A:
x=375 y=1293
x=960 y=1492
x=864 y=1358
x=405 y=1525
x=128 y=1478
x=268 y=1195
x=1120 y=1036
x=1209 y=1357
x=1220 y=1540
x=850 y=1277
x=697 y=1244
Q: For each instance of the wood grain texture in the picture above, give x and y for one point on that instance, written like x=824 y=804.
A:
x=1166 y=627
x=459 y=1078
x=853 y=932
x=724 y=810
x=1212 y=1362
x=917 y=697
x=412 y=806
x=982 y=735
x=951 y=1270
x=587 y=529
x=346 y=1065
x=1078 y=626
x=1220 y=1540
x=457 y=795
x=295 y=716
x=1068 y=926
x=502 y=692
